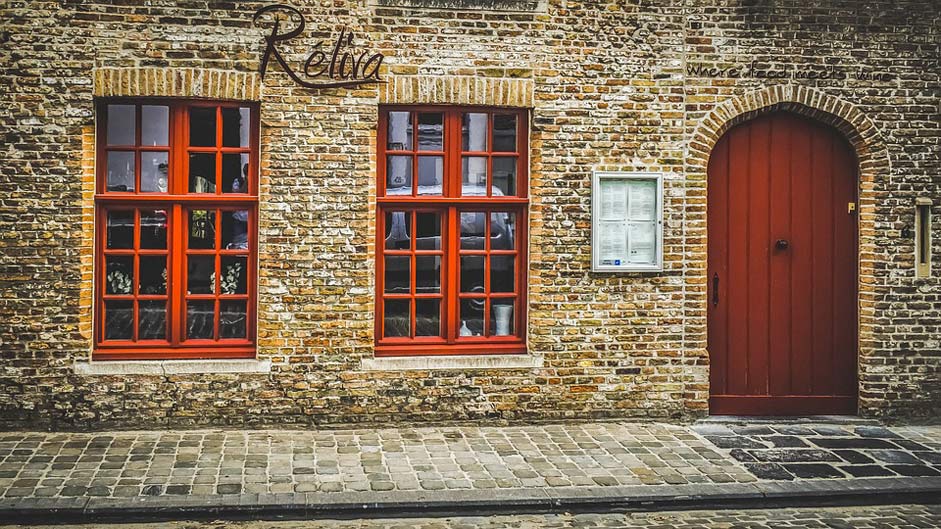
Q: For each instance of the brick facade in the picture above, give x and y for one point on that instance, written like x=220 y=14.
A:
x=612 y=85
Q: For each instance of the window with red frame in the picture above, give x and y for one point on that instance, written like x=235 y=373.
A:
x=176 y=213
x=452 y=205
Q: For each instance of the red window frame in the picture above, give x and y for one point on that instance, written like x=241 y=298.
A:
x=176 y=205
x=449 y=205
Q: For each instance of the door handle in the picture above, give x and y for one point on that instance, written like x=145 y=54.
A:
x=715 y=289
x=781 y=244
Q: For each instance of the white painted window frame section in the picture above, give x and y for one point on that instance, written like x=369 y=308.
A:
x=171 y=367
x=597 y=177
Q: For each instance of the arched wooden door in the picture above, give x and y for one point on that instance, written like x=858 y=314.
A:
x=782 y=269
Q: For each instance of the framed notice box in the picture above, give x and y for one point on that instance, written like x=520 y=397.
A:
x=626 y=222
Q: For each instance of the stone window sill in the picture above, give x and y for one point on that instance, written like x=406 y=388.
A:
x=435 y=363
x=171 y=367
x=499 y=6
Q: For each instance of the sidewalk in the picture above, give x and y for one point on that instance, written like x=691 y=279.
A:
x=363 y=472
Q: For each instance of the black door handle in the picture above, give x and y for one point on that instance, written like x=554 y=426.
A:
x=781 y=244
x=715 y=289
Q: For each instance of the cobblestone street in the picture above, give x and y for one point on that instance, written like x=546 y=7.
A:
x=460 y=469
x=127 y=464
x=881 y=517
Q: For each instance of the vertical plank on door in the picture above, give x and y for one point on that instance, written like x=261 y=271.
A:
x=780 y=346
x=821 y=192
x=758 y=253
x=718 y=204
x=737 y=244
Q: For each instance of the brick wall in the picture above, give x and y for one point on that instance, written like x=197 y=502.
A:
x=614 y=85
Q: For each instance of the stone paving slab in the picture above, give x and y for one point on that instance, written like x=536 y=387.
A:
x=538 y=467
x=789 y=451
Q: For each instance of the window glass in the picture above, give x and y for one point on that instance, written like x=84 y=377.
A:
x=121 y=171
x=504 y=176
x=155 y=125
x=154 y=172
x=474 y=132
x=430 y=131
x=203 y=127
x=122 y=125
x=152 y=320
x=504 y=133
x=399 y=134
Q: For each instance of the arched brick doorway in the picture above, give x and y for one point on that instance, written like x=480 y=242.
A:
x=782 y=269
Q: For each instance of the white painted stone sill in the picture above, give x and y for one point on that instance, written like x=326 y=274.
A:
x=171 y=367
x=429 y=363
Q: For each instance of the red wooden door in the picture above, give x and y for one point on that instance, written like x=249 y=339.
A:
x=782 y=269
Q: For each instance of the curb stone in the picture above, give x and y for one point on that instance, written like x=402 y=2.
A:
x=477 y=502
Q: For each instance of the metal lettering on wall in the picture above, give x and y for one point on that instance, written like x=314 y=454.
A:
x=340 y=68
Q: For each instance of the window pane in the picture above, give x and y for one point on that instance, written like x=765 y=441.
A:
x=472 y=317
x=202 y=229
x=234 y=275
x=153 y=172
x=473 y=176
x=431 y=132
x=122 y=124
x=429 y=232
x=119 y=274
x=502 y=273
x=398 y=274
x=400 y=131
x=472 y=230
x=504 y=176
x=120 y=229
x=155 y=125
x=235 y=126
x=153 y=229
x=397 y=320
x=502 y=230
x=203 y=127
x=232 y=319
x=430 y=174
x=153 y=275
x=202 y=173
x=235 y=230
x=504 y=133
x=200 y=317
x=427 y=317
x=121 y=171
x=474 y=132
x=428 y=274
x=201 y=274
x=398 y=224
x=399 y=175
x=119 y=318
x=501 y=317
x=235 y=173
x=152 y=320
x=472 y=274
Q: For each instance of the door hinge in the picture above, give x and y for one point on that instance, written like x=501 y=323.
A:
x=850 y=207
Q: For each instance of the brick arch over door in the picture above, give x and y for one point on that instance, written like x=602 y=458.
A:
x=874 y=166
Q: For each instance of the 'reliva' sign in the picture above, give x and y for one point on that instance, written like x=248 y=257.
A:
x=337 y=67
